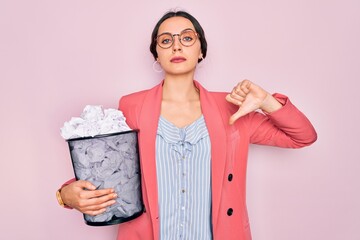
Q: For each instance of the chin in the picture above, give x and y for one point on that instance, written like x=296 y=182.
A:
x=181 y=72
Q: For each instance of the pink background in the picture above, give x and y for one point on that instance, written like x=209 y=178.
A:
x=58 y=56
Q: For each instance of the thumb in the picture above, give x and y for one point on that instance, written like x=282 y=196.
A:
x=236 y=116
x=86 y=185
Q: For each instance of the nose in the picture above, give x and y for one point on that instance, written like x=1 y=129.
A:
x=177 y=45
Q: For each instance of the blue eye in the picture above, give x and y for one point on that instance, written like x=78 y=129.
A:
x=166 y=41
x=187 y=38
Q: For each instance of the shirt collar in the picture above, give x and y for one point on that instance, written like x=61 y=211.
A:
x=189 y=134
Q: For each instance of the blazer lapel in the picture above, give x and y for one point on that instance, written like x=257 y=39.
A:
x=213 y=119
x=148 y=121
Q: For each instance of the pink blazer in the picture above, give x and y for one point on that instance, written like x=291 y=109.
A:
x=287 y=127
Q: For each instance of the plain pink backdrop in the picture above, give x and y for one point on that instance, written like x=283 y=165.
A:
x=58 y=56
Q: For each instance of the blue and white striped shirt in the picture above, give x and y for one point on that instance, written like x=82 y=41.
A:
x=183 y=167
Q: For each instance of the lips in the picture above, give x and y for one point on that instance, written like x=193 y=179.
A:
x=177 y=59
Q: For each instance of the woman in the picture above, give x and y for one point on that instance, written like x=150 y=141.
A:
x=193 y=144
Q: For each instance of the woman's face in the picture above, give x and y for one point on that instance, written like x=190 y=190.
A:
x=178 y=59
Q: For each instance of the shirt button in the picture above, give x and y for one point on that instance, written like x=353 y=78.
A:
x=229 y=211
x=183 y=190
x=182 y=208
x=230 y=177
x=184 y=174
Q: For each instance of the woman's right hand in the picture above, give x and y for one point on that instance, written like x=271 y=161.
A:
x=83 y=196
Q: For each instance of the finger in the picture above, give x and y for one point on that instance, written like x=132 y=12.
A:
x=102 y=205
x=86 y=194
x=96 y=203
x=98 y=206
x=245 y=87
x=102 y=199
x=95 y=212
x=242 y=88
x=233 y=100
x=240 y=97
x=102 y=192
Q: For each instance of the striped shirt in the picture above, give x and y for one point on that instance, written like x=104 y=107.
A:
x=183 y=167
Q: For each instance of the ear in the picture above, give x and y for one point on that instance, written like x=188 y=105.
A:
x=201 y=56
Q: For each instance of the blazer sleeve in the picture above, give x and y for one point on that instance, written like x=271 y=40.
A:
x=286 y=127
x=67 y=183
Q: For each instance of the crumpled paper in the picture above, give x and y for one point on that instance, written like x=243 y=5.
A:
x=93 y=121
x=110 y=161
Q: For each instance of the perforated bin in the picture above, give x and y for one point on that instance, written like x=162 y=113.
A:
x=110 y=161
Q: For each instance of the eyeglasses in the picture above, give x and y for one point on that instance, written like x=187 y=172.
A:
x=187 y=38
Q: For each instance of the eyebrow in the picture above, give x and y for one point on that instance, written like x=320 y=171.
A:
x=177 y=33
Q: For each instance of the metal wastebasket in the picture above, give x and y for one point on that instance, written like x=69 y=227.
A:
x=110 y=161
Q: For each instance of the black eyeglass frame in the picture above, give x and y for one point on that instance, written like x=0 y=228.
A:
x=178 y=35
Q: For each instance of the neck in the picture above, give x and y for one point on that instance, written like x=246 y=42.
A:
x=180 y=89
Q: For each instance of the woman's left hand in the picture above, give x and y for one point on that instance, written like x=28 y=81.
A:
x=250 y=97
